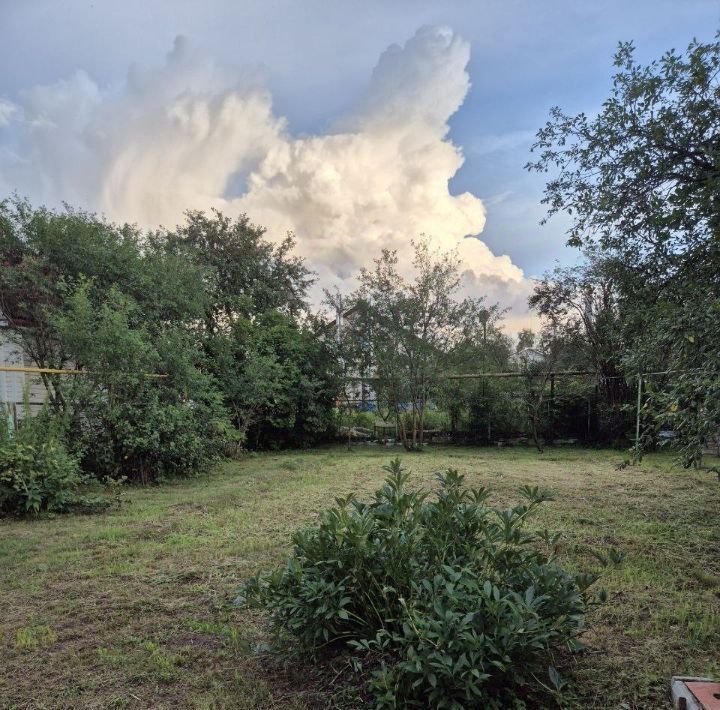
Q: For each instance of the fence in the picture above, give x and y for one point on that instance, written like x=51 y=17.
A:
x=18 y=393
x=568 y=406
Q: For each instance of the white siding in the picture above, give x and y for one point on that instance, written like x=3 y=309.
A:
x=13 y=384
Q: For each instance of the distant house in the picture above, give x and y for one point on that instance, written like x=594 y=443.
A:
x=528 y=356
x=358 y=391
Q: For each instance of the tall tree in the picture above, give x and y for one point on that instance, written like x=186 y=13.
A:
x=79 y=291
x=641 y=183
x=46 y=256
x=278 y=379
x=525 y=339
x=411 y=326
x=642 y=177
x=582 y=305
x=245 y=273
x=537 y=373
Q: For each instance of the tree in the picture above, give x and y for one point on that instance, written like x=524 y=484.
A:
x=641 y=182
x=81 y=292
x=584 y=306
x=146 y=409
x=245 y=273
x=482 y=348
x=525 y=339
x=213 y=308
x=411 y=327
x=354 y=363
x=279 y=380
x=642 y=177
x=536 y=377
x=45 y=256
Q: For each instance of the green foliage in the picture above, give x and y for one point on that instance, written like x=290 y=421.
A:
x=276 y=377
x=686 y=400
x=127 y=421
x=364 y=420
x=445 y=602
x=493 y=410
x=37 y=473
x=658 y=124
x=83 y=293
x=245 y=274
x=191 y=340
x=278 y=380
x=436 y=419
x=585 y=306
x=640 y=181
x=409 y=329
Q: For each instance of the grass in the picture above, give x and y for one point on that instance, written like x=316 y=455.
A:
x=133 y=608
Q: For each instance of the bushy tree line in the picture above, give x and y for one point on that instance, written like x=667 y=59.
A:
x=420 y=344
x=192 y=341
x=197 y=340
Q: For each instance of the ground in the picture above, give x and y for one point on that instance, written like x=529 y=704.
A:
x=133 y=608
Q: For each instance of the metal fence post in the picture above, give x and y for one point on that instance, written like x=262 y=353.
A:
x=637 y=419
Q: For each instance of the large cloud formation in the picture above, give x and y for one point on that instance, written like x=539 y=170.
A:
x=185 y=135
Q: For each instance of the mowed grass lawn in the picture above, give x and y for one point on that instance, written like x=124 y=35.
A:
x=133 y=608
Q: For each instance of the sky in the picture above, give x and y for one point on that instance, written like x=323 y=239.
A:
x=356 y=125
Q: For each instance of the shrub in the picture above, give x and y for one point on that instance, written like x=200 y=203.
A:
x=448 y=602
x=36 y=476
x=435 y=419
x=365 y=420
x=493 y=410
x=39 y=472
x=124 y=423
x=150 y=437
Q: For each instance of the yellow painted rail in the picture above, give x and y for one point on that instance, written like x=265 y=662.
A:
x=51 y=371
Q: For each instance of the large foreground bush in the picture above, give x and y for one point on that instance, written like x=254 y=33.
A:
x=447 y=602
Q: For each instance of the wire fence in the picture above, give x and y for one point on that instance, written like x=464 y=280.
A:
x=496 y=408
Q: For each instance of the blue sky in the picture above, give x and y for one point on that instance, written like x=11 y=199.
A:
x=316 y=59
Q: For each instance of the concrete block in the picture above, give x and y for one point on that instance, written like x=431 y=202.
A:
x=690 y=693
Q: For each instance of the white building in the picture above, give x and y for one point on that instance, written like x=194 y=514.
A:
x=528 y=356
x=16 y=385
x=358 y=391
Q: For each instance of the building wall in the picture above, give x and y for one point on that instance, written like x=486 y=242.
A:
x=360 y=392
x=14 y=384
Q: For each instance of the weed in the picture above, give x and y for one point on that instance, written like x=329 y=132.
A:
x=32 y=637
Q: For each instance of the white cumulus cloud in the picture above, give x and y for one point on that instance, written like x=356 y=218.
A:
x=7 y=109
x=186 y=135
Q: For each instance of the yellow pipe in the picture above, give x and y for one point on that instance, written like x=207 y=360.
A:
x=51 y=371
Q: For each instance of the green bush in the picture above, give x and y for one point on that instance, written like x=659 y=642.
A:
x=36 y=476
x=124 y=423
x=494 y=410
x=445 y=602
x=365 y=420
x=149 y=435
x=436 y=419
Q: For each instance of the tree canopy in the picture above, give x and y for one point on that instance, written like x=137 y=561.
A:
x=640 y=182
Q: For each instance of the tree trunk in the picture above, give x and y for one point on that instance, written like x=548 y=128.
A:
x=536 y=439
x=403 y=432
x=414 y=426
